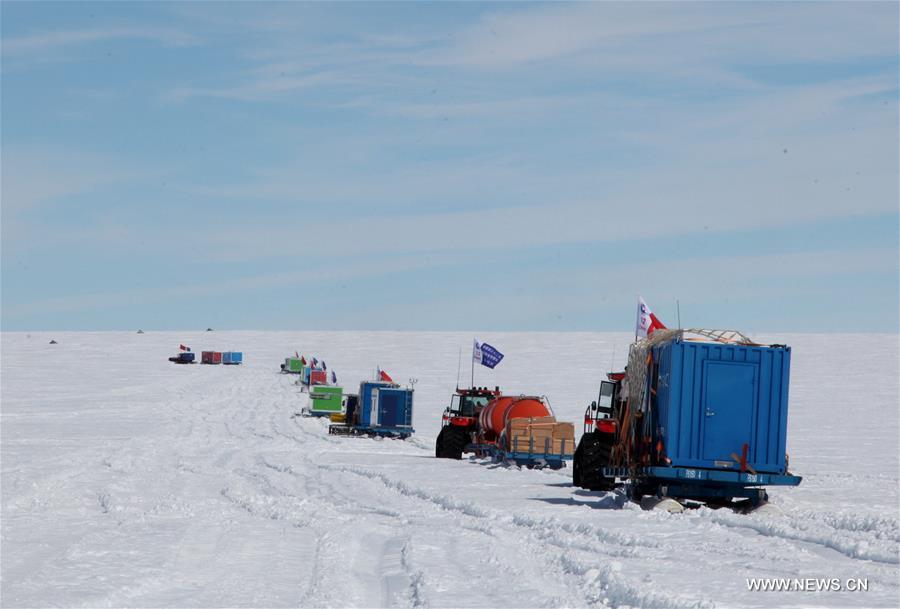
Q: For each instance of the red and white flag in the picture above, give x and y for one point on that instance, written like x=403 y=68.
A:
x=183 y=348
x=647 y=322
x=384 y=376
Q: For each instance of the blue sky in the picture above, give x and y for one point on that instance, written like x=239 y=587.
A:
x=508 y=166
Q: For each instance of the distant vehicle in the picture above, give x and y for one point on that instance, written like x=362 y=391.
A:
x=211 y=357
x=325 y=401
x=185 y=357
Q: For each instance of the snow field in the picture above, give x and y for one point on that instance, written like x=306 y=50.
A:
x=130 y=481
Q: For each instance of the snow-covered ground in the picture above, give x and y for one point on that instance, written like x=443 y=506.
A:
x=130 y=481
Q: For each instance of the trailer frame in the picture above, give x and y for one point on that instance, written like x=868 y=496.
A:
x=707 y=485
x=531 y=458
x=400 y=433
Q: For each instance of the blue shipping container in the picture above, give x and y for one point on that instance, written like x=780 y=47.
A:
x=368 y=410
x=232 y=357
x=713 y=398
x=395 y=407
x=382 y=404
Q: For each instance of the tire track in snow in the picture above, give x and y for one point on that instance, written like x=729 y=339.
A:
x=818 y=531
x=597 y=586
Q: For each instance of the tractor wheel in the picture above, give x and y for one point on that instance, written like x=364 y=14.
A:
x=576 y=466
x=451 y=442
x=438 y=444
x=594 y=451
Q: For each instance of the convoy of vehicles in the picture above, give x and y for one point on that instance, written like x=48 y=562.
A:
x=698 y=416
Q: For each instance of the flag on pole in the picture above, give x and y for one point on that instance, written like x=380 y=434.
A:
x=486 y=355
x=333 y=377
x=296 y=355
x=315 y=362
x=384 y=376
x=302 y=360
x=324 y=367
x=646 y=322
x=183 y=348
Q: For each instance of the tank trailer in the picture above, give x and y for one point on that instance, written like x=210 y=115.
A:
x=517 y=429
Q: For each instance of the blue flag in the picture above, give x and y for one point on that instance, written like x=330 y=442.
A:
x=333 y=377
x=486 y=355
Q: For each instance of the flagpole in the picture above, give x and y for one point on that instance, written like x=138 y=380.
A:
x=472 y=384
x=458 y=368
x=639 y=316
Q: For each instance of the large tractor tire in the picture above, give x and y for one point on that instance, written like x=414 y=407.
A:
x=576 y=466
x=591 y=456
x=438 y=444
x=451 y=442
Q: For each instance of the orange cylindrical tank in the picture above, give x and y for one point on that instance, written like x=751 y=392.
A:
x=493 y=418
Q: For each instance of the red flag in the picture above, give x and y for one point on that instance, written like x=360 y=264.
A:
x=647 y=322
x=384 y=376
x=183 y=348
x=296 y=354
x=303 y=360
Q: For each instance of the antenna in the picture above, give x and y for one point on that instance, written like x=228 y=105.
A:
x=458 y=368
x=612 y=361
x=678 y=308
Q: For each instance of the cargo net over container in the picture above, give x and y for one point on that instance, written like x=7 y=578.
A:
x=636 y=380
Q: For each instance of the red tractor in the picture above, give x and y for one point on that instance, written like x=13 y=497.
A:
x=460 y=421
x=601 y=425
x=518 y=429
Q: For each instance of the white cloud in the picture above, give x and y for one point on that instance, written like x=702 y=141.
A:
x=34 y=176
x=258 y=89
x=142 y=296
x=53 y=40
x=634 y=35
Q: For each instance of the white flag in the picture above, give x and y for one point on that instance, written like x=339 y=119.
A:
x=646 y=321
x=476 y=352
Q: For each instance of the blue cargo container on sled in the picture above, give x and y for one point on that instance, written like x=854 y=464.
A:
x=232 y=358
x=379 y=409
x=704 y=418
x=185 y=357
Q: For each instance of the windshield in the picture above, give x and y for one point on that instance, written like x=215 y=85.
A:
x=607 y=390
x=466 y=405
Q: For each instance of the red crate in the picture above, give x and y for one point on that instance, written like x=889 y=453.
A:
x=216 y=357
x=318 y=377
x=206 y=357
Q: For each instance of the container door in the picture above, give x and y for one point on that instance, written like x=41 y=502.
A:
x=396 y=408
x=373 y=408
x=393 y=407
x=728 y=395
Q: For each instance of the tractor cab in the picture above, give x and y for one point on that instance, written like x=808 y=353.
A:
x=601 y=414
x=466 y=405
